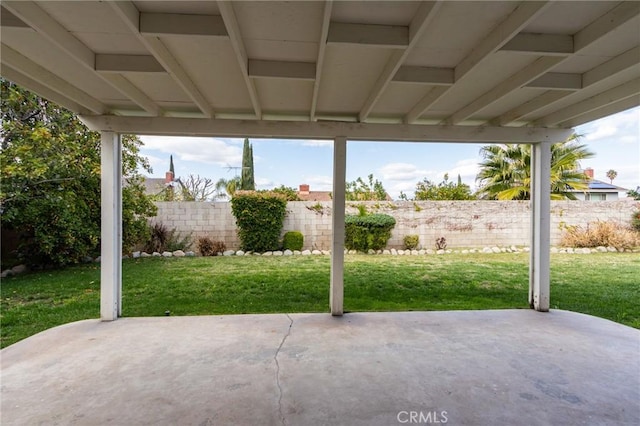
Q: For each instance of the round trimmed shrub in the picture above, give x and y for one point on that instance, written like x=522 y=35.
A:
x=411 y=242
x=370 y=232
x=293 y=240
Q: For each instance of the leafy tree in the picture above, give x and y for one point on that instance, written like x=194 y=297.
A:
x=612 y=174
x=505 y=173
x=359 y=190
x=247 y=182
x=445 y=190
x=227 y=187
x=290 y=193
x=50 y=188
x=634 y=193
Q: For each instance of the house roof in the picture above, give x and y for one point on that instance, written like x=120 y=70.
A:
x=600 y=186
x=385 y=70
x=315 y=196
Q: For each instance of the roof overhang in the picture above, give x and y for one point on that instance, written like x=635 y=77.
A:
x=375 y=70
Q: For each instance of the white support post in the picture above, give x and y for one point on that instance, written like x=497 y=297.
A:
x=336 y=297
x=111 y=232
x=539 y=266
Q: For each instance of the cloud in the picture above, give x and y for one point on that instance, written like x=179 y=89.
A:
x=623 y=127
x=318 y=142
x=264 y=183
x=199 y=150
x=467 y=169
x=402 y=172
x=318 y=182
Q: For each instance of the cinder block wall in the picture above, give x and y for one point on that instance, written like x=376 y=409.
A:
x=462 y=223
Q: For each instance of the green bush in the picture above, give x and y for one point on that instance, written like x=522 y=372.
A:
x=162 y=239
x=369 y=232
x=411 y=242
x=293 y=240
x=259 y=217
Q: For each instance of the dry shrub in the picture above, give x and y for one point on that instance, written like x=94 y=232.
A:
x=607 y=234
x=208 y=247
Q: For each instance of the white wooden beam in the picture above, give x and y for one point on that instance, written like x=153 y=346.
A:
x=424 y=75
x=282 y=69
x=46 y=92
x=336 y=297
x=618 y=93
x=524 y=13
x=130 y=15
x=423 y=17
x=40 y=20
x=557 y=81
x=389 y=36
x=235 y=36
x=322 y=45
x=157 y=24
x=9 y=20
x=127 y=63
x=539 y=266
x=531 y=106
x=321 y=130
x=540 y=44
x=614 y=66
x=517 y=80
x=49 y=79
x=125 y=86
x=111 y=227
x=605 y=24
x=613 y=108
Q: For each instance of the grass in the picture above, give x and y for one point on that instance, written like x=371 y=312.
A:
x=604 y=285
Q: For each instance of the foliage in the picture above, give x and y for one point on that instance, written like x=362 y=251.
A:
x=163 y=239
x=505 y=173
x=411 y=242
x=441 y=243
x=197 y=188
x=50 y=189
x=227 y=187
x=290 y=193
x=635 y=221
x=293 y=240
x=634 y=193
x=259 y=218
x=607 y=234
x=359 y=190
x=207 y=247
x=612 y=174
x=362 y=209
x=370 y=232
x=247 y=182
x=445 y=190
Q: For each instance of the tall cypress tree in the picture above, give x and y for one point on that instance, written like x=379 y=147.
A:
x=171 y=169
x=247 y=181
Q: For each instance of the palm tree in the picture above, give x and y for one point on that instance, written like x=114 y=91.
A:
x=505 y=173
x=612 y=174
x=227 y=187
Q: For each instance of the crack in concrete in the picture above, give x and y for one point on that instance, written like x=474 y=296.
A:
x=275 y=358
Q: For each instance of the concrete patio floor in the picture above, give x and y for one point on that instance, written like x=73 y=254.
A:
x=505 y=367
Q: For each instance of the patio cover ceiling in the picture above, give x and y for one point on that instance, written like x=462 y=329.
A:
x=394 y=70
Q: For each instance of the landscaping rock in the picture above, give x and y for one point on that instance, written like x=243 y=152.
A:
x=136 y=254
x=167 y=254
x=440 y=251
x=97 y=259
x=145 y=254
x=353 y=252
x=316 y=252
x=526 y=249
x=267 y=253
x=179 y=253
x=190 y=254
x=239 y=253
x=448 y=251
x=495 y=249
x=601 y=249
x=422 y=252
x=487 y=250
x=87 y=259
x=473 y=251
x=394 y=252
x=371 y=251
x=156 y=254
x=326 y=252
x=125 y=256
x=430 y=251
x=414 y=252
x=503 y=250
x=287 y=252
x=228 y=252
x=306 y=253
x=465 y=251
x=386 y=252
x=6 y=273
x=570 y=250
x=562 y=250
x=514 y=248
x=297 y=252
x=400 y=252
x=611 y=249
x=277 y=253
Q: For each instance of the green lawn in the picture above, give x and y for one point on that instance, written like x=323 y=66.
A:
x=606 y=285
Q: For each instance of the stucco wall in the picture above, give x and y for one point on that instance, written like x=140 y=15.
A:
x=462 y=223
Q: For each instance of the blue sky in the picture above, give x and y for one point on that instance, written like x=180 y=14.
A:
x=399 y=166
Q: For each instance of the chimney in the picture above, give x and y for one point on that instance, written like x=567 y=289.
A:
x=168 y=177
x=304 y=189
x=589 y=172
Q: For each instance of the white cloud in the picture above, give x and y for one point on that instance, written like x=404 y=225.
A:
x=198 y=150
x=402 y=172
x=263 y=183
x=623 y=127
x=467 y=169
x=317 y=182
x=318 y=142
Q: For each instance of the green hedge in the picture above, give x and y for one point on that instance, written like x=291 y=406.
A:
x=293 y=240
x=370 y=232
x=259 y=217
